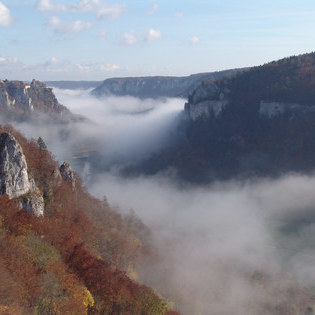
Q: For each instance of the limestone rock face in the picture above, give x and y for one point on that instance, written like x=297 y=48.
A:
x=33 y=203
x=14 y=178
x=208 y=100
x=67 y=173
x=21 y=100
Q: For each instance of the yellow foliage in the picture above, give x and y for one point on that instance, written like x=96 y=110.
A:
x=88 y=298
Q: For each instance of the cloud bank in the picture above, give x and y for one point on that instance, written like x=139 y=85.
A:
x=68 y=28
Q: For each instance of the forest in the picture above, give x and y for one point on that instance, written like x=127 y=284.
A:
x=81 y=257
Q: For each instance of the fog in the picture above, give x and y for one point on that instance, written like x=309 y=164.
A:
x=233 y=247
x=226 y=248
x=122 y=129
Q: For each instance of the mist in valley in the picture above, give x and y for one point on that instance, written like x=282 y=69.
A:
x=226 y=248
x=233 y=247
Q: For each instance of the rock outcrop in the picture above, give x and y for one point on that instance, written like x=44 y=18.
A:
x=13 y=168
x=67 y=174
x=206 y=101
x=33 y=203
x=14 y=178
x=20 y=100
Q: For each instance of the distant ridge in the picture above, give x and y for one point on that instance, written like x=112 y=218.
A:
x=260 y=122
x=158 y=86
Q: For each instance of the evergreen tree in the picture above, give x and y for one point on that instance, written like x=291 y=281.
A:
x=41 y=144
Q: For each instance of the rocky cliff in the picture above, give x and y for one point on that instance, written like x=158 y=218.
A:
x=19 y=100
x=260 y=122
x=159 y=86
x=284 y=87
x=15 y=181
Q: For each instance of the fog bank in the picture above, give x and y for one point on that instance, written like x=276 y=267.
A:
x=227 y=248
x=120 y=129
x=124 y=127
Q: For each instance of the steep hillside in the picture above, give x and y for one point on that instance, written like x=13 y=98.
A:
x=259 y=122
x=72 y=257
x=20 y=101
x=154 y=87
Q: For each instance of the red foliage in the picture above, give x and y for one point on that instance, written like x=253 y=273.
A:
x=118 y=292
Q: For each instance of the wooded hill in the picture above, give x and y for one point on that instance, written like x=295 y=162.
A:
x=257 y=123
x=75 y=259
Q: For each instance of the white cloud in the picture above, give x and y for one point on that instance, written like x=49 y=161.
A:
x=154 y=8
x=10 y=61
x=47 y=5
x=153 y=35
x=102 y=33
x=54 y=21
x=109 y=67
x=179 y=15
x=68 y=28
x=96 y=66
x=83 y=68
x=79 y=26
x=109 y=11
x=195 y=40
x=54 y=60
x=129 y=38
x=84 y=5
x=102 y=10
x=5 y=15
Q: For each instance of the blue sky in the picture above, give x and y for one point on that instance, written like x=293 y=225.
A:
x=96 y=39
